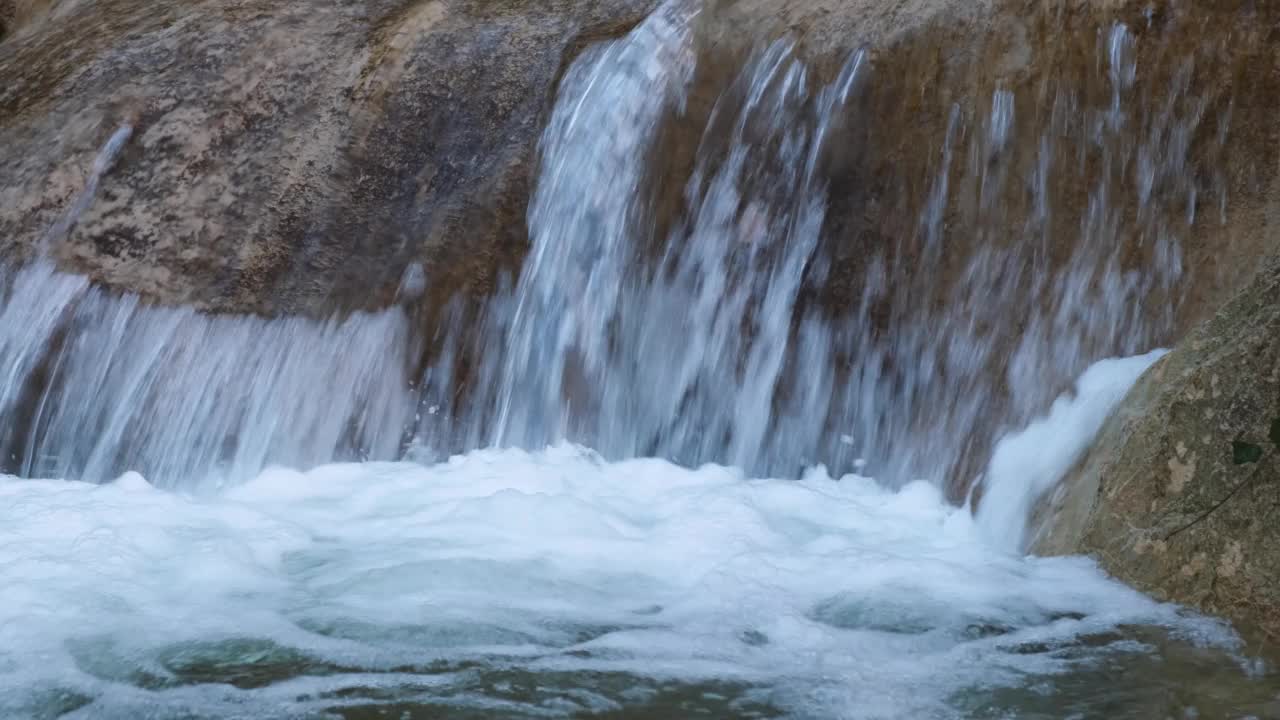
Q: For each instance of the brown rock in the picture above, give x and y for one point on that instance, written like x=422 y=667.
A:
x=289 y=157
x=296 y=157
x=1205 y=72
x=1179 y=495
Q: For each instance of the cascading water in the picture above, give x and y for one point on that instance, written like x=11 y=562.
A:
x=699 y=346
x=92 y=384
x=686 y=357
x=96 y=384
x=1019 y=320
x=520 y=580
x=705 y=350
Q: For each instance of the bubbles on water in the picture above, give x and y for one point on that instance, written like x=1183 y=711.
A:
x=533 y=584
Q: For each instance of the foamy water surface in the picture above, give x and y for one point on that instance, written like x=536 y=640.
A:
x=549 y=584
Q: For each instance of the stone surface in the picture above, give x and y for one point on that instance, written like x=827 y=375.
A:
x=288 y=156
x=296 y=157
x=1199 y=119
x=1180 y=496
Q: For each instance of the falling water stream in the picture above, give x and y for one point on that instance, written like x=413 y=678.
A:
x=706 y=353
x=262 y=518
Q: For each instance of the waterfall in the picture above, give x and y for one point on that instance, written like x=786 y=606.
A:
x=700 y=346
x=95 y=384
x=684 y=356
x=698 y=334
x=755 y=431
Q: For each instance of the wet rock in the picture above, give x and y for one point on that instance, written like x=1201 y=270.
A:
x=288 y=157
x=1179 y=495
x=297 y=157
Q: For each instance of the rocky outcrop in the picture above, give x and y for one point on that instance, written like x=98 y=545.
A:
x=988 y=144
x=1178 y=497
x=297 y=157
x=1205 y=74
x=288 y=157
x=1004 y=113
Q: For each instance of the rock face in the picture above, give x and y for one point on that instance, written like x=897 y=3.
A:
x=1179 y=495
x=296 y=157
x=992 y=143
x=288 y=157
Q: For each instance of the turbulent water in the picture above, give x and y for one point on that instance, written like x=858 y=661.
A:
x=178 y=568
x=509 y=584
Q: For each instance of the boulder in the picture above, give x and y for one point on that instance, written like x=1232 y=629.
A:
x=298 y=156
x=1180 y=495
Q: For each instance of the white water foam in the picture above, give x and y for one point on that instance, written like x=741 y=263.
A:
x=298 y=593
x=1028 y=463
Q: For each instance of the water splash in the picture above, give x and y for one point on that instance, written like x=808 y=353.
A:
x=552 y=584
x=1031 y=461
